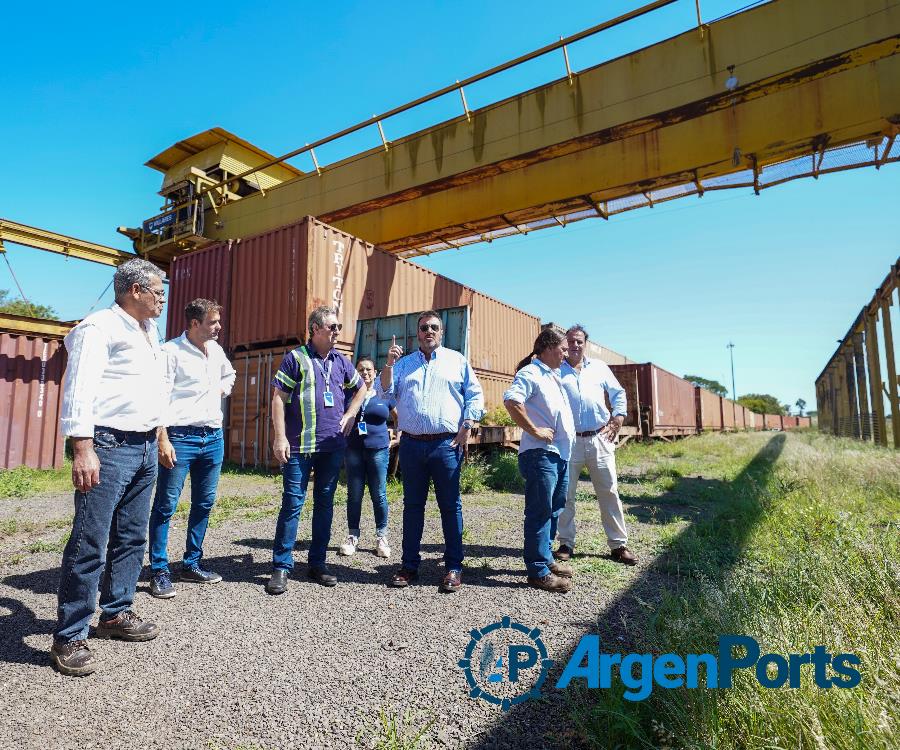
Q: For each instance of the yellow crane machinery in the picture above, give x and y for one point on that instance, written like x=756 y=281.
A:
x=787 y=89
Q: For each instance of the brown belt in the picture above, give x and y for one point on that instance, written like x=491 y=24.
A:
x=589 y=433
x=435 y=436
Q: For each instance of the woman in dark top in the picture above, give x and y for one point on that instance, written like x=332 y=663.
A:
x=366 y=462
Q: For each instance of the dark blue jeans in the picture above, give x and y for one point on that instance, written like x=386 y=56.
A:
x=422 y=461
x=108 y=533
x=546 y=477
x=367 y=466
x=295 y=475
x=198 y=451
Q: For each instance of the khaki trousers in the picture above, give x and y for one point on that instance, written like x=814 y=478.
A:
x=599 y=456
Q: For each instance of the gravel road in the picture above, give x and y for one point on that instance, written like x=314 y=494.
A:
x=345 y=667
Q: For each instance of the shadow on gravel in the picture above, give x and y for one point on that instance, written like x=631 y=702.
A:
x=18 y=622
x=548 y=722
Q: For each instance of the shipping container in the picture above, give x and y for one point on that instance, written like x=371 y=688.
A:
x=593 y=350
x=278 y=277
x=202 y=274
x=729 y=421
x=660 y=404
x=771 y=421
x=32 y=366
x=709 y=409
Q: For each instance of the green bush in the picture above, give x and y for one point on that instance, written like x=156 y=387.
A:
x=503 y=473
x=473 y=476
x=499 y=417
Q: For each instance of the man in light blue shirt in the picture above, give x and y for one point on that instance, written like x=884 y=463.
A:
x=439 y=400
x=537 y=403
x=586 y=383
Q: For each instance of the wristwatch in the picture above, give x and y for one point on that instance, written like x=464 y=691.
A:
x=468 y=424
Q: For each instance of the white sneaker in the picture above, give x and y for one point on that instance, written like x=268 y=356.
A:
x=349 y=546
x=381 y=548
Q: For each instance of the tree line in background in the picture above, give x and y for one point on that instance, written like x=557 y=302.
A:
x=25 y=308
x=760 y=403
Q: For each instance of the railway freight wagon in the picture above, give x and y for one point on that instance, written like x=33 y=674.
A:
x=660 y=404
x=269 y=283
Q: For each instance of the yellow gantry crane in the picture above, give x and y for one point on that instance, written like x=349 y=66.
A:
x=786 y=89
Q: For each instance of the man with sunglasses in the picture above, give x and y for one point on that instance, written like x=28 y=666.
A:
x=311 y=417
x=115 y=394
x=439 y=400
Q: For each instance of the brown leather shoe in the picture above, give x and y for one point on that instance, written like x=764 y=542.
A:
x=551 y=582
x=623 y=555
x=452 y=582
x=561 y=569
x=403 y=577
x=564 y=552
x=127 y=626
x=74 y=658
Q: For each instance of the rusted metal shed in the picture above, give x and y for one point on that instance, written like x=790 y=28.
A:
x=32 y=365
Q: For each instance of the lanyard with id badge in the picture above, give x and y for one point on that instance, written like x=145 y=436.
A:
x=361 y=427
x=327 y=396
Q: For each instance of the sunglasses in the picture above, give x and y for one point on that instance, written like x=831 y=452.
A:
x=425 y=327
x=334 y=327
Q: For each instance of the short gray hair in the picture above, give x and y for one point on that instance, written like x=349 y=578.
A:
x=576 y=328
x=317 y=317
x=135 y=271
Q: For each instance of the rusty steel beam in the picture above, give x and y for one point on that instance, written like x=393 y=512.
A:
x=808 y=72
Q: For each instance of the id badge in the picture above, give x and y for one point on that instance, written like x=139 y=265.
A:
x=328 y=397
x=362 y=428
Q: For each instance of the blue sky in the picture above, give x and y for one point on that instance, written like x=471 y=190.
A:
x=92 y=91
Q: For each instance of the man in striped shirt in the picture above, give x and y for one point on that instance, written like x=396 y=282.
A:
x=311 y=417
x=439 y=400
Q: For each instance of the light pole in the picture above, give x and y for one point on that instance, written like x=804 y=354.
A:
x=730 y=348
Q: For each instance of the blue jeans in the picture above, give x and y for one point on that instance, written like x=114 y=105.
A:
x=546 y=477
x=108 y=533
x=367 y=466
x=422 y=461
x=200 y=451
x=295 y=475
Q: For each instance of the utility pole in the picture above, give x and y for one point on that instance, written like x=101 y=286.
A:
x=730 y=348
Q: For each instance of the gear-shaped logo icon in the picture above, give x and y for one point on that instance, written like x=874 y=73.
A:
x=506 y=663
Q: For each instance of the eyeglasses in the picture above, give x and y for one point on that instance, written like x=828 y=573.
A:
x=426 y=327
x=334 y=327
x=161 y=294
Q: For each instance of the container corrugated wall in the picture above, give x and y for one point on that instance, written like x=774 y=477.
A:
x=493 y=386
x=31 y=374
x=709 y=409
x=771 y=421
x=729 y=421
x=671 y=401
x=202 y=274
x=269 y=288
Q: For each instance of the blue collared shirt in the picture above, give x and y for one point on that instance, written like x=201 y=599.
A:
x=436 y=395
x=586 y=390
x=538 y=387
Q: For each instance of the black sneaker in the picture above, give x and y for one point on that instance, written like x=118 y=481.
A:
x=127 y=626
x=161 y=586
x=74 y=658
x=198 y=575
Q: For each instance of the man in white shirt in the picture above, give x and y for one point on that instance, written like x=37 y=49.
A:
x=586 y=383
x=200 y=376
x=113 y=398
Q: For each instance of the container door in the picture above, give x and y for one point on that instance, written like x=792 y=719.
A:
x=456 y=328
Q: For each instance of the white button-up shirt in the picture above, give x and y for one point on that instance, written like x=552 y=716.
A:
x=199 y=382
x=538 y=387
x=115 y=376
x=587 y=391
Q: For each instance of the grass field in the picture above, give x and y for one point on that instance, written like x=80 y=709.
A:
x=795 y=543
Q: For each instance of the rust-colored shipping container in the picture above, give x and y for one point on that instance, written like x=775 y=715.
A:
x=771 y=422
x=804 y=421
x=728 y=414
x=202 y=274
x=660 y=404
x=278 y=277
x=709 y=409
x=31 y=374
